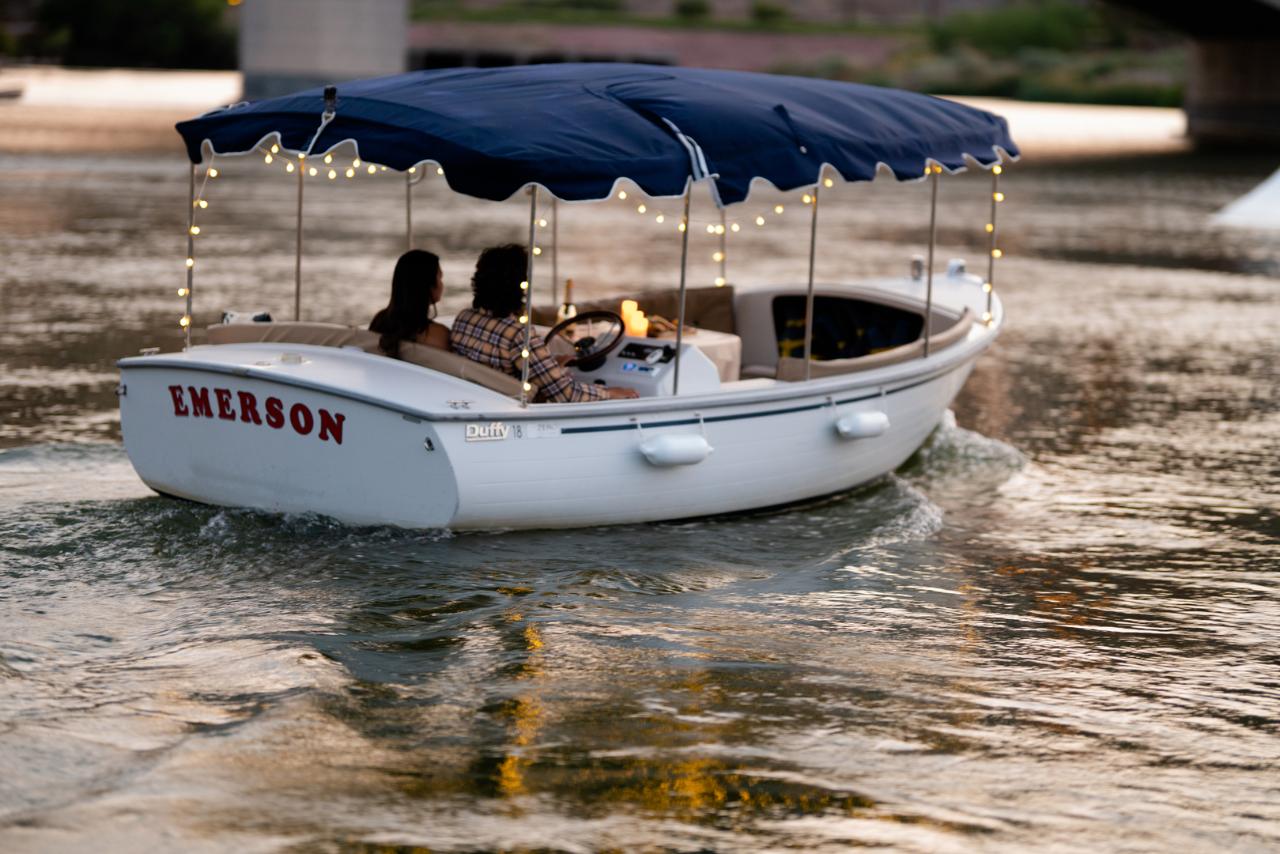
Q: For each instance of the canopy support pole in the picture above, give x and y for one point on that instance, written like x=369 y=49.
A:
x=297 y=258
x=808 y=300
x=990 y=285
x=933 y=238
x=555 y=252
x=408 y=210
x=684 y=267
x=724 y=254
x=191 y=253
x=527 y=287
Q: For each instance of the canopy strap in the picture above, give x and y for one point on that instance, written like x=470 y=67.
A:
x=697 y=161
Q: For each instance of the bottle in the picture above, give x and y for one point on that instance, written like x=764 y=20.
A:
x=567 y=309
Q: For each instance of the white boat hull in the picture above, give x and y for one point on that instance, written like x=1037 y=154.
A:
x=422 y=450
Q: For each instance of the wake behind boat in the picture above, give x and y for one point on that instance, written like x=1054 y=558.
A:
x=761 y=397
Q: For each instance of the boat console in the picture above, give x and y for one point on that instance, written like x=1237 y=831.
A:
x=648 y=366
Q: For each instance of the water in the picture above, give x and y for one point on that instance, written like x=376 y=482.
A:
x=1054 y=628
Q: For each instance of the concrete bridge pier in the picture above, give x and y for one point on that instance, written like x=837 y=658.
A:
x=1234 y=92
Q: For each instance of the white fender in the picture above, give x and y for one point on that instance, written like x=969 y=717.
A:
x=675 y=449
x=862 y=425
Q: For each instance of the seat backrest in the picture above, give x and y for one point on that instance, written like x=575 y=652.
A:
x=459 y=366
x=294 y=332
x=791 y=369
x=337 y=335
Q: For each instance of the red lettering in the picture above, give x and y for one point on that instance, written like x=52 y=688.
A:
x=200 y=407
x=249 y=408
x=331 y=425
x=225 y=412
x=179 y=405
x=275 y=413
x=301 y=418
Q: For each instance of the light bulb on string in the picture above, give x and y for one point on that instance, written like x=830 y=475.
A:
x=372 y=170
x=351 y=173
x=184 y=321
x=999 y=197
x=717 y=256
x=524 y=318
x=203 y=204
x=986 y=287
x=413 y=169
x=537 y=250
x=542 y=223
x=719 y=281
x=659 y=218
x=328 y=158
x=311 y=171
x=439 y=170
x=997 y=169
x=182 y=292
x=524 y=286
x=641 y=208
x=711 y=229
x=996 y=253
x=195 y=229
x=991 y=226
x=355 y=164
x=735 y=228
x=267 y=159
x=622 y=194
x=719 y=229
x=333 y=174
x=288 y=167
x=759 y=220
x=681 y=227
x=778 y=209
x=212 y=173
x=275 y=149
x=191 y=262
x=827 y=182
x=807 y=199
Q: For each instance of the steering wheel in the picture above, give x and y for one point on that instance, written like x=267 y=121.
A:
x=590 y=352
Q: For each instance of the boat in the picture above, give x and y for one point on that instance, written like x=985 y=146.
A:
x=759 y=397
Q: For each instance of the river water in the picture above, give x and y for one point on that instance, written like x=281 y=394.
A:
x=1054 y=628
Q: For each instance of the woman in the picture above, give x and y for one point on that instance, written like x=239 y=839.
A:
x=416 y=287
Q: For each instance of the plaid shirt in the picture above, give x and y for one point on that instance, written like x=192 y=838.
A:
x=498 y=341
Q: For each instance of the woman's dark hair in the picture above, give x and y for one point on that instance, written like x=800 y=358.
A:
x=496 y=284
x=411 y=308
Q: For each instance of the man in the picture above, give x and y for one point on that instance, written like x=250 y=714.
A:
x=490 y=334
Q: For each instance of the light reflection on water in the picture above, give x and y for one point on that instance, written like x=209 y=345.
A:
x=1054 y=628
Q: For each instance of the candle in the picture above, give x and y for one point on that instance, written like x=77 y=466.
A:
x=629 y=307
x=638 y=325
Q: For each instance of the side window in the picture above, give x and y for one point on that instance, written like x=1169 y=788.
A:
x=843 y=328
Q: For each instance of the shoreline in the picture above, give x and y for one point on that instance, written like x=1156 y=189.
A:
x=127 y=111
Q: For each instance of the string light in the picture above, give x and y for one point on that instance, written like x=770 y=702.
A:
x=333 y=174
x=622 y=194
x=328 y=158
x=267 y=159
x=717 y=256
x=542 y=223
x=351 y=173
x=659 y=218
x=759 y=220
x=195 y=229
x=275 y=149
x=711 y=229
x=184 y=321
x=182 y=292
x=413 y=169
x=212 y=173
x=719 y=281
x=528 y=387
x=439 y=170
x=986 y=287
x=524 y=318
x=372 y=170
x=807 y=199
x=997 y=169
x=537 y=250
x=191 y=262
x=778 y=209
x=986 y=317
x=524 y=354
x=996 y=253
x=827 y=182
x=735 y=228
x=203 y=204
x=288 y=167
x=641 y=208
x=937 y=169
x=355 y=164
x=312 y=171
x=719 y=229
x=991 y=226
x=524 y=286
x=999 y=197
x=681 y=227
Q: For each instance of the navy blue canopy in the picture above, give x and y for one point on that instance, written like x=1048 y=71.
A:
x=577 y=128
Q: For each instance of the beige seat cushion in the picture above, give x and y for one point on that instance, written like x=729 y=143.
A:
x=336 y=335
x=705 y=308
x=791 y=369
